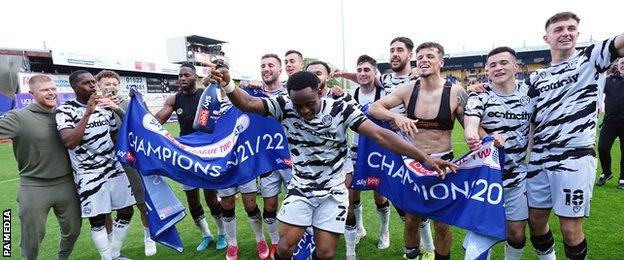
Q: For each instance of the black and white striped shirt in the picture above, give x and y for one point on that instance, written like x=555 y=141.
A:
x=96 y=152
x=508 y=115
x=566 y=98
x=319 y=146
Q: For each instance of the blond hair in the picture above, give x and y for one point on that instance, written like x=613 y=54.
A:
x=38 y=79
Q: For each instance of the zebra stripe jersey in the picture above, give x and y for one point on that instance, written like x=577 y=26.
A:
x=319 y=146
x=277 y=92
x=566 y=97
x=508 y=115
x=390 y=82
x=96 y=152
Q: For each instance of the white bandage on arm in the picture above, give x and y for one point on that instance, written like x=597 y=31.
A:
x=229 y=88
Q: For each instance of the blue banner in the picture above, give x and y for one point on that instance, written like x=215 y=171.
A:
x=306 y=246
x=472 y=199
x=164 y=210
x=243 y=146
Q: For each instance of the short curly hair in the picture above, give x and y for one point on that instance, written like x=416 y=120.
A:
x=301 y=80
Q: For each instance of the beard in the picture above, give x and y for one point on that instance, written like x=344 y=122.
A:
x=270 y=80
x=400 y=67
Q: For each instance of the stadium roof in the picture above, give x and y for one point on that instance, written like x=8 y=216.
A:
x=203 y=40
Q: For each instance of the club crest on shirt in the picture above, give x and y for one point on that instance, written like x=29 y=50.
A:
x=179 y=111
x=524 y=100
x=572 y=64
x=327 y=120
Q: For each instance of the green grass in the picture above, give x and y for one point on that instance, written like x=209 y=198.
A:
x=603 y=229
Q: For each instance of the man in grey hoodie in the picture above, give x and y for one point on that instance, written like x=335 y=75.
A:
x=45 y=172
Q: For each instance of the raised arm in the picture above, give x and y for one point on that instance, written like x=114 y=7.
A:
x=394 y=143
x=352 y=76
x=237 y=96
x=344 y=74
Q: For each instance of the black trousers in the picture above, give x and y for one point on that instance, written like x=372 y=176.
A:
x=608 y=133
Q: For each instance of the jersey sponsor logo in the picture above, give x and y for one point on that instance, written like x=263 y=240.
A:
x=97 y=123
x=207 y=101
x=555 y=85
x=371 y=182
x=312 y=132
x=509 y=115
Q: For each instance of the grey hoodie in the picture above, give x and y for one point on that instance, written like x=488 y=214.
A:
x=41 y=157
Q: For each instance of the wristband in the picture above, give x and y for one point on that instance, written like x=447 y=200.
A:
x=229 y=88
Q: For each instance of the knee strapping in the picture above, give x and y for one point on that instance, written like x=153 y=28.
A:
x=228 y=213
x=543 y=243
x=216 y=211
x=383 y=206
x=269 y=215
x=254 y=213
x=124 y=214
x=516 y=245
x=97 y=221
x=578 y=252
x=196 y=211
x=442 y=257
x=351 y=221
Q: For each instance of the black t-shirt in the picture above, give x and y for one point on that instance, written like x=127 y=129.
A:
x=614 y=100
x=186 y=106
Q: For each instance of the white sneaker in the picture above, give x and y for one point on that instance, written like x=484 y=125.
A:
x=150 y=247
x=384 y=240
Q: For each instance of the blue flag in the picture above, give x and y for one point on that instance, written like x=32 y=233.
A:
x=164 y=210
x=243 y=146
x=472 y=199
x=306 y=246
